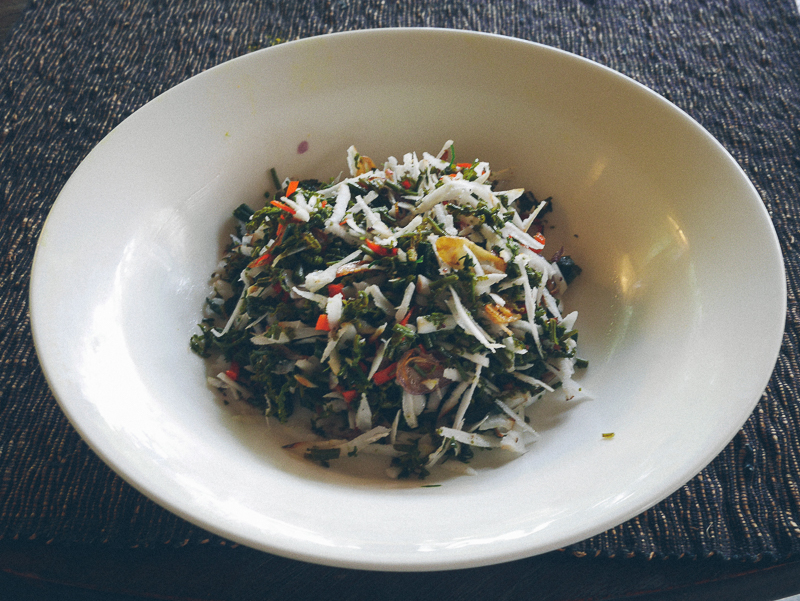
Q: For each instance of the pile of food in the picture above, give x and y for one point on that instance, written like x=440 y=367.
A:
x=407 y=307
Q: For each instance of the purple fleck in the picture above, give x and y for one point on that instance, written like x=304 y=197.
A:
x=302 y=147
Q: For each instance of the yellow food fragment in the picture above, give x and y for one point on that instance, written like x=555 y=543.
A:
x=500 y=315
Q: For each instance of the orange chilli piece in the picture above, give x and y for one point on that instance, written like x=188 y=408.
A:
x=322 y=323
x=349 y=395
x=262 y=260
x=285 y=207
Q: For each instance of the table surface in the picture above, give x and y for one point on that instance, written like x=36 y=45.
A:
x=32 y=568
x=44 y=573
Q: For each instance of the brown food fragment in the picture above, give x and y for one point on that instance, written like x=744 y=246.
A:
x=304 y=381
x=352 y=267
x=501 y=315
x=364 y=164
x=416 y=368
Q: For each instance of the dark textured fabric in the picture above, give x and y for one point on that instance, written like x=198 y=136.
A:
x=71 y=71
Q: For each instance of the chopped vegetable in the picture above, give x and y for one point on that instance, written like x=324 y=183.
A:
x=408 y=308
x=322 y=323
x=334 y=289
x=385 y=375
x=284 y=206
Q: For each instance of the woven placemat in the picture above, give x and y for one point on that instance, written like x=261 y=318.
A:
x=71 y=71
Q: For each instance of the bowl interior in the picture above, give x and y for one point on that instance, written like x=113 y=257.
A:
x=681 y=300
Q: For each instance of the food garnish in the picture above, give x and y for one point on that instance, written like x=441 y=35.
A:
x=407 y=310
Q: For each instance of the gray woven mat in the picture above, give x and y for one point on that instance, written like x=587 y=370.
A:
x=71 y=71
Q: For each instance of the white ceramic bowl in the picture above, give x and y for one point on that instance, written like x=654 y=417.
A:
x=681 y=301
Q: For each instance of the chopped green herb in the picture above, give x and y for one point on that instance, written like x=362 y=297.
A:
x=391 y=305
